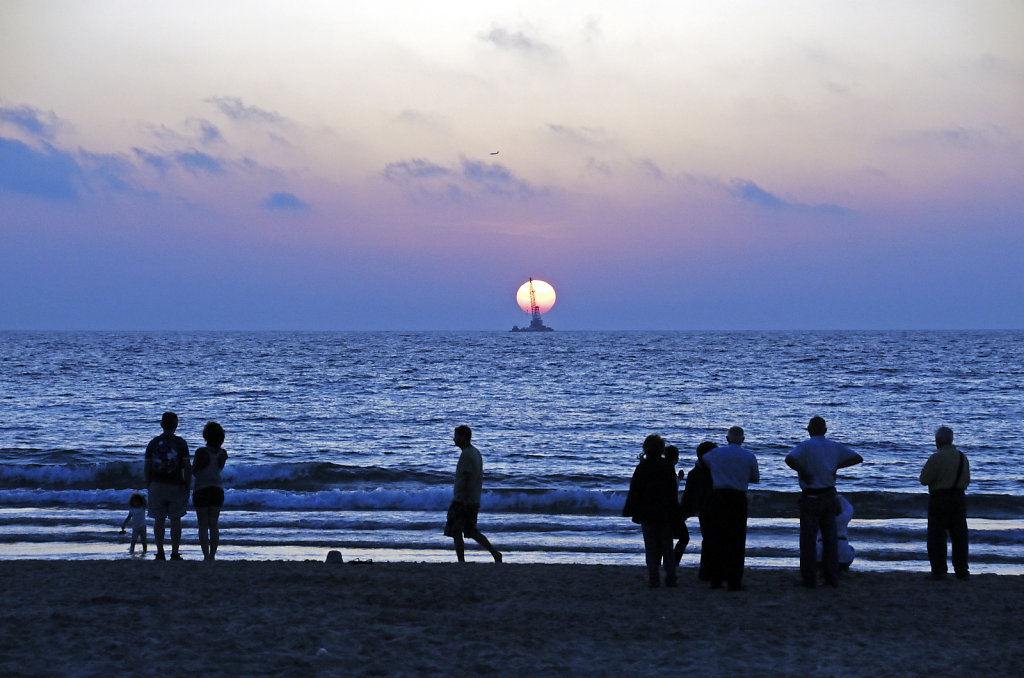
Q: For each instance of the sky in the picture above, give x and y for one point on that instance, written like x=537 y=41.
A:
x=400 y=165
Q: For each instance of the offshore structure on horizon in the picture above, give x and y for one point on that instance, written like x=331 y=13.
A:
x=536 y=324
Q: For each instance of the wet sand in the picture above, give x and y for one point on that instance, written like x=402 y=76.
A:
x=302 y=618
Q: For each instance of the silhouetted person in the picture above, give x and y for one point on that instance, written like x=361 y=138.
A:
x=652 y=502
x=168 y=478
x=462 y=514
x=208 y=494
x=816 y=461
x=947 y=474
x=696 y=494
x=680 y=532
x=732 y=469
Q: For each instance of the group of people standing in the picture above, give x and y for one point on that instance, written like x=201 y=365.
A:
x=170 y=474
x=716 y=492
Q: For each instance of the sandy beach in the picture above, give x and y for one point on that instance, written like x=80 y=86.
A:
x=300 y=618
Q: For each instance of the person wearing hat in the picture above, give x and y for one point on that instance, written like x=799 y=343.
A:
x=816 y=461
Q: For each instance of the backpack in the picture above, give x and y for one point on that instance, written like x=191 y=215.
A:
x=165 y=460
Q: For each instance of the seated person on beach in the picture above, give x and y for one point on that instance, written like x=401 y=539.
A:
x=845 y=550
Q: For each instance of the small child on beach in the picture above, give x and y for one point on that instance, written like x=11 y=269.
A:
x=137 y=517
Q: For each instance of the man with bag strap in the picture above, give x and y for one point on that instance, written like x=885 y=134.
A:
x=947 y=474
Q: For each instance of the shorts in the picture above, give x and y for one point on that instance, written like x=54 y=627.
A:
x=167 y=501
x=208 y=497
x=461 y=518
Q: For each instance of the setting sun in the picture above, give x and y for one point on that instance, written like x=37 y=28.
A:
x=542 y=292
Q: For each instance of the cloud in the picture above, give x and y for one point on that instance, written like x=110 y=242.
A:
x=234 y=108
x=516 y=41
x=584 y=136
x=208 y=132
x=198 y=162
x=749 y=192
x=285 y=202
x=469 y=180
x=41 y=124
x=155 y=161
x=47 y=173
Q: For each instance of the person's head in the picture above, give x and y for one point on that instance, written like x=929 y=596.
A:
x=816 y=426
x=943 y=436
x=137 y=501
x=169 y=422
x=654 y=446
x=734 y=436
x=705 y=447
x=463 y=435
x=213 y=434
x=672 y=454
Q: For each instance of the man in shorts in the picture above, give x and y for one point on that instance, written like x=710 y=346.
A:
x=469 y=479
x=168 y=478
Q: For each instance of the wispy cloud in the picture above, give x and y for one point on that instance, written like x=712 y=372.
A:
x=46 y=173
x=198 y=162
x=521 y=41
x=235 y=109
x=468 y=180
x=40 y=124
x=751 y=193
x=288 y=202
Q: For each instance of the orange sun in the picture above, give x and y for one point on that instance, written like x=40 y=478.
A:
x=542 y=292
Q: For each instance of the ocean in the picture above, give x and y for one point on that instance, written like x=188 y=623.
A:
x=342 y=440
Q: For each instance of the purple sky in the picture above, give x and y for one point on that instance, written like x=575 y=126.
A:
x=278 y=165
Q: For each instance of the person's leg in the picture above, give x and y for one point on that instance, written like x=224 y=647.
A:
x=705 y=529
x=738 y=541
x=719 y=539
x=158 y=536
x=175 y=536
x=958 y=536
x=680 y=547
x=142 y=538
x=652 y=553
x=131 y=549
x=479 y=537
x=829 y=545
x=667 y=555
x=203 y=520
x=808 y=539
x=936 y=537
x=214 y=523
x=460 y=546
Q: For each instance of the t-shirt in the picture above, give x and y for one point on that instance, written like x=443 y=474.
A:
x=818 y=459
x=167 y=457
x=732 y=467
x=469 y=476
x=209 y=475
x=138 y=517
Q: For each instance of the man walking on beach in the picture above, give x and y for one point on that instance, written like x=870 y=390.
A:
x=947 y=474
x=816 y=461
x=732 y=469
x=168 y=478
x=462 y=514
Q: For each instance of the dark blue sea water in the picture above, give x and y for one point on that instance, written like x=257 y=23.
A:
x=343 y=440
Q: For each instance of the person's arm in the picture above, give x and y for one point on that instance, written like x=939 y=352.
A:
x=186 y=471
x=147 y=470
x=125 y=523
x=223 y=460
x=201 y=460
x=755 y=474
x=850 y=458
x=928 y=472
